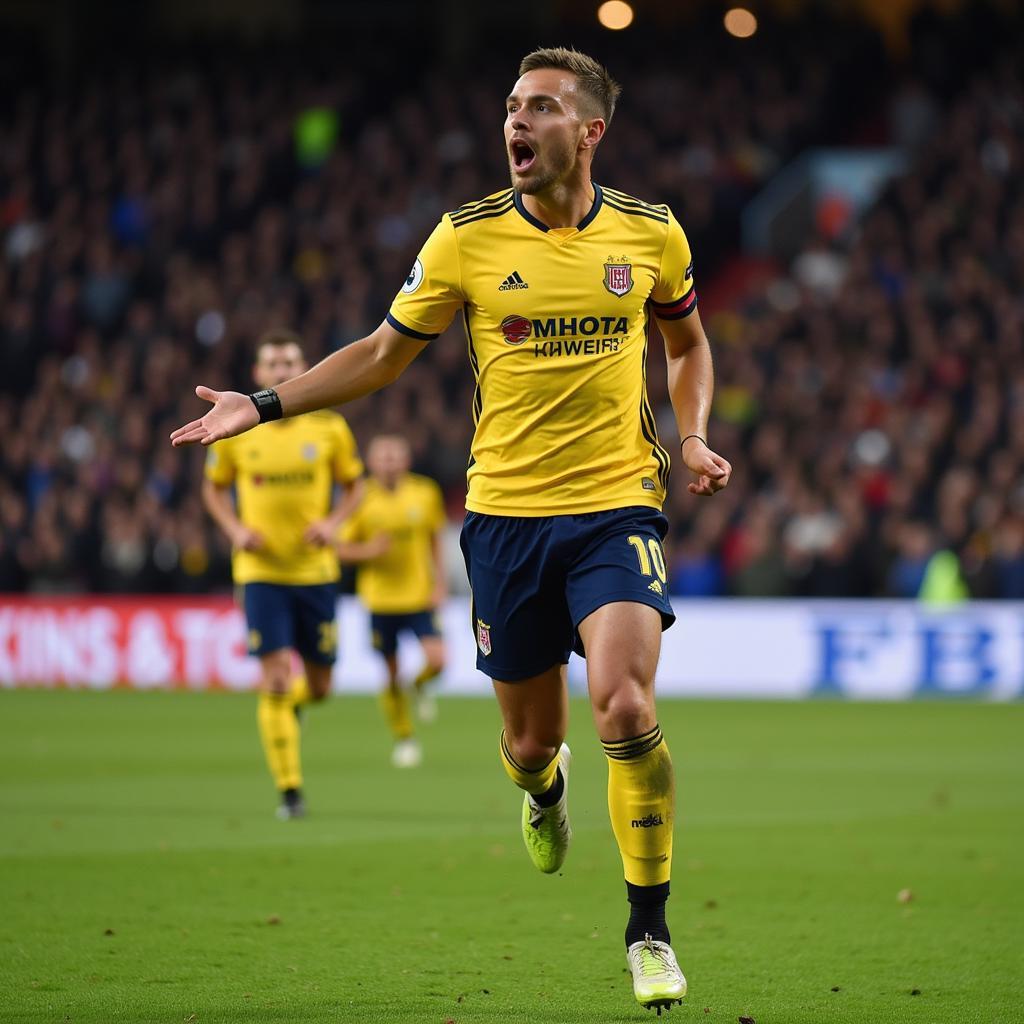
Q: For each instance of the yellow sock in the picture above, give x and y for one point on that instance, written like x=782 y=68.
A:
x=395 y=706
x=301 y=693
x=641 y=803
x=427 y=673
x=279 y=732
x=534 y=782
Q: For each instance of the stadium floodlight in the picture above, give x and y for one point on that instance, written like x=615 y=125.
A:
x=740 y=22
x=615 y=14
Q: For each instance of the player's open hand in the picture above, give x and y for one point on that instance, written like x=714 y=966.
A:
x=711 y=470
x=232 y=413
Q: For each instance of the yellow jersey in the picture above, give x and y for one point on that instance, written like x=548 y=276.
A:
x=284 y=474
x=402 y=579
x=556 y=322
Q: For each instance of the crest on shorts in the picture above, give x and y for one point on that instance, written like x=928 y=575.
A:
x=483 y=637
x=618 y=275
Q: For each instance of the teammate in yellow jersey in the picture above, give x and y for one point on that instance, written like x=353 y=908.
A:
x=555 y=280
x=395 y=537
x=282 y=527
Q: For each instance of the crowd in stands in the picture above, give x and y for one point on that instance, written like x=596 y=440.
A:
x=155 y=221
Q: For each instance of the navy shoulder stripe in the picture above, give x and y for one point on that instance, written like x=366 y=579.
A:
x=650 y=214
x=497 y=211
x=469 y=208
x=627 y=200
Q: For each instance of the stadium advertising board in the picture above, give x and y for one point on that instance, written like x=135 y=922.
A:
x=858 y=649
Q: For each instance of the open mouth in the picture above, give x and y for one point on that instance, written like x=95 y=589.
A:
x=523 y=156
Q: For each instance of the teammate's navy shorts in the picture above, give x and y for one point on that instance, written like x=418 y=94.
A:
x=534 y=580
x=302 y=617
x=385 y=628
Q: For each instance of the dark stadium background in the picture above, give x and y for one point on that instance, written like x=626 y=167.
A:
x=156 y=215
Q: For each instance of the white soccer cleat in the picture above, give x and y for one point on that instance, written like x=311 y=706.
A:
x=407 y=754
x=546 y=830
x=657 y=980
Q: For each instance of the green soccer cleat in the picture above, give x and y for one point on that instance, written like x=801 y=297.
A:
x=546 y=830
x=657 y=980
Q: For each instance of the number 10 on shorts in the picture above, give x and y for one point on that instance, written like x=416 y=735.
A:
x=649 y=551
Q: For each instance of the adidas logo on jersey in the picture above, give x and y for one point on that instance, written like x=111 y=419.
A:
x=656 y=587
x=512 y=283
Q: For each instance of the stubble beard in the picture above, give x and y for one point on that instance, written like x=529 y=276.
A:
x=559 y=164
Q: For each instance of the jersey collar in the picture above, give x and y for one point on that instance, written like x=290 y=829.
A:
x=540 y=225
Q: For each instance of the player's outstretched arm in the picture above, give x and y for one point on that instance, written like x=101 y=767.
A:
x=691 y=385
x=359 y=369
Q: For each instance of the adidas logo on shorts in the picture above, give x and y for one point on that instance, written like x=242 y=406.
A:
x=512 y=283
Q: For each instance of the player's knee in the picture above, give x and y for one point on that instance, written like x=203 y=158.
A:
x=277 y=679
x=624 y=711
x=533 y=750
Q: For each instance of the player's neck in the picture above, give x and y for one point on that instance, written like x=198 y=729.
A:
x=564 y=204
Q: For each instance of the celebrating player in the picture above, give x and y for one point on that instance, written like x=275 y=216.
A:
x=395 y=536
x=282 y=533
x=555 y=280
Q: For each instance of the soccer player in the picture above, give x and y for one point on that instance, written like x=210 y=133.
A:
x=395 y=537
x=286 y=476
x=555 y=280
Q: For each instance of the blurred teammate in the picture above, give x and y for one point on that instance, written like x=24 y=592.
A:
x=555 y=280
x=395 y=536
x=282 y=533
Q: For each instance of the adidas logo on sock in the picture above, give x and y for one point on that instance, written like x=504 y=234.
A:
x=512 y=283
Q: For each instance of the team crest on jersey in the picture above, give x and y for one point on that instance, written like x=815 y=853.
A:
x=309 y=452
x=516 y=329
x=618 y=276
x=483 y=637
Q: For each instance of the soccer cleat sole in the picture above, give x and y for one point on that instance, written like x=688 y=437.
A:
x=662 y=1004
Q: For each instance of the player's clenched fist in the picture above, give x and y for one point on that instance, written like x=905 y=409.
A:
x=711 y=470
x=232 y=413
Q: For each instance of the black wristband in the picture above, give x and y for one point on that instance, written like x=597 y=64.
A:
x=268 y=405
x=687 y=438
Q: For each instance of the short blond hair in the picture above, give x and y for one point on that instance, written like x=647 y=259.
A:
x=594 y=81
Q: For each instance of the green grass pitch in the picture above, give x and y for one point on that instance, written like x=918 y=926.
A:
x=144 y=878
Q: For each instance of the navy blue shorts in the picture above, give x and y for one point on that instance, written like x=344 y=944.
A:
x=300 y=617
x=385 y=628
x=534 y=580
